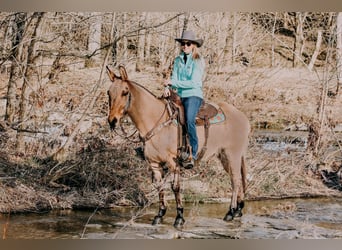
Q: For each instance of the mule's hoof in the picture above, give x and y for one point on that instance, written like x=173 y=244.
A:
x=157 y=220
x=240 y=206
x=238 y=213
x=228 y=217
x=179 y=222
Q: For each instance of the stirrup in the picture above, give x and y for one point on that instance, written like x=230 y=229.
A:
x=186 y=160
x=189 y=164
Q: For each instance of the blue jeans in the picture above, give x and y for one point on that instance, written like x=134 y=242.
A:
x=192 y=105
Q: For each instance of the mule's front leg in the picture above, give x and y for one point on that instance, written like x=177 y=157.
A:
x=234 y=212
x=162 y=209
x=179 y=222
x=157 y=179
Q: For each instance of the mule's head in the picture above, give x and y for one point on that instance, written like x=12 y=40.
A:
x=119 y=96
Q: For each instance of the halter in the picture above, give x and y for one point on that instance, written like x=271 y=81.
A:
x=128 y=103
x=125 y=136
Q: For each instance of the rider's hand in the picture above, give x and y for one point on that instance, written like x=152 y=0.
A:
x=167 y=92
x=167 y=83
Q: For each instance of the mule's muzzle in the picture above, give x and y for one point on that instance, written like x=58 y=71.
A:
x=112 y=123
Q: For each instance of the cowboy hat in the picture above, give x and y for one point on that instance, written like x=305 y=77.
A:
x=189 y=35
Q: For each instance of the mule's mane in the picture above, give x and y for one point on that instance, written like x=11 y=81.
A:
x=144 y=88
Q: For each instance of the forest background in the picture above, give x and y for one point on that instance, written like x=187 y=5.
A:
x=283 y=70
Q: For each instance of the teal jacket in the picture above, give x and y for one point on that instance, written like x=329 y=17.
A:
x=187 y=78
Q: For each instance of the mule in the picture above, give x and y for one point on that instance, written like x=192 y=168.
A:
x=228 y=140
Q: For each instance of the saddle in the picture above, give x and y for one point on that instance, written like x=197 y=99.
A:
x=205 y=112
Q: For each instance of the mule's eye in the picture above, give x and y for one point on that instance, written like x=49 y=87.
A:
x=124 y=92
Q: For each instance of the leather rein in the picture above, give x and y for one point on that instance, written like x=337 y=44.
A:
x=156 y=128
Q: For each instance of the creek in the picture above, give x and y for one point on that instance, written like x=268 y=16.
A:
x=318 y=218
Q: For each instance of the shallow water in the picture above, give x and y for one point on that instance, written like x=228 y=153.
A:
x=288 y=219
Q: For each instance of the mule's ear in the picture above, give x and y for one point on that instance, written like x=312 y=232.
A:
x=123 y=72
x=111 y=74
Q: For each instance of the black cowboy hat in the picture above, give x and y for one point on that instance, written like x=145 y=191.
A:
x=189 y=35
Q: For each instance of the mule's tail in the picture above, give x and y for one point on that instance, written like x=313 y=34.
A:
x=243 y=174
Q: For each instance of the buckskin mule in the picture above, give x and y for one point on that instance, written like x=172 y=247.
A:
x=228 y=140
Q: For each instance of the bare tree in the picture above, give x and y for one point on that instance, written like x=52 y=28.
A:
x=299 y=38
x=141 y=42
x=18 y=28
x=234 y=31
x=28 y=76
x=273 y=39
x=94 y=39
x=339 y=50
x=317 y=49
x=60 y=154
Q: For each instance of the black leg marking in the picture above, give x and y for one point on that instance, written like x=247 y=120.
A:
x=179 y=222
x=159 y=217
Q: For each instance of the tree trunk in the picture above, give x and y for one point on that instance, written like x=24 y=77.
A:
x=18 y=27
x=273 y=40
x=148 y=41
x=339 y=50
x=94 y=39
x=124 y=39
x=186 y=22
x=226 y=48
x=141 y=43
x=115 y=41
x=28 y=80
x=234 y=29
x=316 y=52
x=299 y=39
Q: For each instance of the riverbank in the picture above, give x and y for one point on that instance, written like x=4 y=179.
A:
x=105 y=176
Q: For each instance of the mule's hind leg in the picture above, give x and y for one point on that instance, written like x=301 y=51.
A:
x=157 y=176
x=242 y=190
x=179 y=221
x=232 y=165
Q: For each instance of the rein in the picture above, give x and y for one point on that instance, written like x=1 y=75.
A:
x=125 y=136
x=157 y=127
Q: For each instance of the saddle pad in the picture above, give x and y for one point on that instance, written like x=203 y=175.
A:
x=219 y=117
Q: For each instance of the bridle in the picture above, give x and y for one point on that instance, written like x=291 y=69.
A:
x=156 y=128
